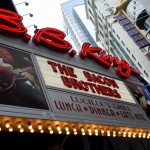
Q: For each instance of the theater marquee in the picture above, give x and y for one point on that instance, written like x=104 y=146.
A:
x=87 y=94
x=60 y=75
x=76 y=96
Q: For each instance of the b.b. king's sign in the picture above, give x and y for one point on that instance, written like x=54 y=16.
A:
x=77 y=94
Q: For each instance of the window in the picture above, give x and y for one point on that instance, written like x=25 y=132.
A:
x=139 y=65
x=100 y=18
x=89 y=4
x=96 y=7
x=145 y=73
x=133 y=57
x=101 y=33
x=100 y=25
x=90 y=12
x=128 y=50
x=92 y=20
x=122 y=43
x=118 y=36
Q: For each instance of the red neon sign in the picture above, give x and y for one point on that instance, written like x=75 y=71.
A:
x=123 y=69
x=52 y=38
x=10 y=23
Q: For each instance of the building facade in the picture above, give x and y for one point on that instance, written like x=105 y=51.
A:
x=76 y=25
x=113 y=36
x=61 y=101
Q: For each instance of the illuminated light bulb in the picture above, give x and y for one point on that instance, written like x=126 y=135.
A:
x=0 y=129
x=96 y=131
x=83 y=133
x=42 y=131
x=82 y=130
x=39 y=126
x=102 y=131
x=129 y=134
x=58 y=128
x=124 y=135
x=7 y=125
x=124 y=132
x=30 y=127
x=66 y=128
x=75 y=133
x=32 y=130
x=108 y=132
x=90 y=133
x=114 y=134
x=49 y=127
x=148 y=135
x=59 y=132
x=51 y=131
x=140 y=135
x=10 y=129
x=89 y=130
x=134 y=134
x=19 y=125
x=144 y=135
x=21 y=130
x=67 y=132
x=119 y=132
x=74 y=129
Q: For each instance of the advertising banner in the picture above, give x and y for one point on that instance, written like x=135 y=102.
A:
x=19 y=85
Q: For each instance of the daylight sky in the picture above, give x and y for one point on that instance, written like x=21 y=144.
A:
x=46 y=13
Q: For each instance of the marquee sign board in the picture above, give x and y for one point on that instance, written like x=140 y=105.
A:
x=84 y=91
x=85 y=95
x=60 y=75
x=95 y=109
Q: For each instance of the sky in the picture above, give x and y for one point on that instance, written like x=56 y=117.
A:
x=46 y=13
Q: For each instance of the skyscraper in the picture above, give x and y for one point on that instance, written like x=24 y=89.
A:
x=122 y=34
x=76 y=25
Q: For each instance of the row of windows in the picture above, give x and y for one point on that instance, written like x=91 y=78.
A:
x=129 y=52
x=122 y=50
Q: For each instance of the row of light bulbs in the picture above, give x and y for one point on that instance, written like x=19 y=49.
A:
x=83 y=131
